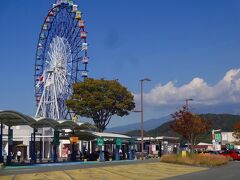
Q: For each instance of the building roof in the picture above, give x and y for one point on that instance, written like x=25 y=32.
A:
x=161 y=138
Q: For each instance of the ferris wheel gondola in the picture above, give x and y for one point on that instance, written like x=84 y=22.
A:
x=61 y=59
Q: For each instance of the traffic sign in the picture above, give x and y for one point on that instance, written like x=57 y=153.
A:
x=217 y=136
x=118 y=141
x=100 y=141
x=74 y=139
x=230 y=146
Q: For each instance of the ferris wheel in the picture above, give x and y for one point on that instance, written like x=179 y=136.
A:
x=61 y=59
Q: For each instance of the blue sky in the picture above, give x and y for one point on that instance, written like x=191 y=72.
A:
x=186 y=47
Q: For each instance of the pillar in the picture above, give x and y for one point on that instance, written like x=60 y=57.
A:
x=80 y=146
x=43 y=144
x=101 y=154
x=160 y=149
x=56 y=143
x=10 y=143
x=33 y=147
x=117 y=158
x=41 y=150
x=73 y=154
x=130 y=152
x=90 y=147
x=1 y=143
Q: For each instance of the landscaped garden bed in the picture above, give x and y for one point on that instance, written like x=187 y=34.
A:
x=196 y=159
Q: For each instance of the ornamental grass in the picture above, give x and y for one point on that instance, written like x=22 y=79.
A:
x=196 y=159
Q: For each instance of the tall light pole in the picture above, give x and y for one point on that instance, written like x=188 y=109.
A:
x=187 y=107
x=142 y=80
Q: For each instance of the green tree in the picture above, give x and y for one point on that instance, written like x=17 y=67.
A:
x=100 y=100
x=190 y=126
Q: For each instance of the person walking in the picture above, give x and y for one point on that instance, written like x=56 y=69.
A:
x=19 y=153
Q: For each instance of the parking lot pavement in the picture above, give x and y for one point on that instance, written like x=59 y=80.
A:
x=226 y=172
x=153 y=170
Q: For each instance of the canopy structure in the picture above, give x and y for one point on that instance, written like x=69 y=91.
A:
x=85 y=131
x=66 y=124
x=45 y=122
x=13 y=118
x=82 y=135
x=110 y=135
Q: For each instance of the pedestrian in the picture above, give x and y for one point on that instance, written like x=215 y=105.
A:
x=120 y=154
x=80 y=155
x=69 y=154
x=19 y=153
x=5 y=156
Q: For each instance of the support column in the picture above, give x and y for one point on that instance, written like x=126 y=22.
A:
x=56 y=143
x=54 y=153
x=160 y=149
x=10 y=143
x=73 y=154
x=43 y=144
x=100 y=154
x=130 y=152
x=80 y=146
x=90 y=147
x=33 y=147
x=117 y=158
x=1 y=143
x=41 y=150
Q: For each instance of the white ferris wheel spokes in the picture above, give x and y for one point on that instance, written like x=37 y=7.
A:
x=61 y=59
x=55 y=80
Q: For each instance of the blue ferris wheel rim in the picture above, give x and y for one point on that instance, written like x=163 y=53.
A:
x=64 y=24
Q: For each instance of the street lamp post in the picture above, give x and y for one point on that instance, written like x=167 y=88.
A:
x=187 y=107
x=142 y=80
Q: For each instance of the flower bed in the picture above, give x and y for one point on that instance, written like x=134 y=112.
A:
x=196 y=159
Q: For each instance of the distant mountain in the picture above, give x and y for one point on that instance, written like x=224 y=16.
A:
x=149 y=124
x=136 y=133
x=225 y=122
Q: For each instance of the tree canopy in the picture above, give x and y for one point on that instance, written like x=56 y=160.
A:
x=100 y=100
x=190 y=126
x=236 y=131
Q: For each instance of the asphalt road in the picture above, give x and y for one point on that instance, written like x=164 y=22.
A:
x=226 y=172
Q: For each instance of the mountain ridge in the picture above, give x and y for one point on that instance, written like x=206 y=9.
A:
x=148 y=125
x=225 y=122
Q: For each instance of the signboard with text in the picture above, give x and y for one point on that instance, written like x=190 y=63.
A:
x=216 y=139
x=118 y=141
x=100 y=141
x=74 y=139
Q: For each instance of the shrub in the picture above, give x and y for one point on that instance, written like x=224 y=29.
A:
x=172 y=158
x=196 y=159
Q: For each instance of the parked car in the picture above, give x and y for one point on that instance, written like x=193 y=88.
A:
x=231 y=153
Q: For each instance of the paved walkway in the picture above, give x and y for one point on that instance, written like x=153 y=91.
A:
x=152 y=170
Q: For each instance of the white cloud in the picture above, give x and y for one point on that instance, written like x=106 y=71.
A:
x=225 y=91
